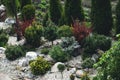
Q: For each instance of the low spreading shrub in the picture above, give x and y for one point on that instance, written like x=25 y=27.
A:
x=87 y=63
x=69 y=44
x=94 y=42
x=64 y=31
x=45 y=51
x=33 y=35
x=39 y=66
x=14 y=52
x=58 y=54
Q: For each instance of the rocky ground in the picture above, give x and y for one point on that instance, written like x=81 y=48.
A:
x=20 y=70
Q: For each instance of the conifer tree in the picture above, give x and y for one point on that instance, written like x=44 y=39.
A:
x=25 y=2
x=73 y=11
x=118 y=18
x=101 y=16
x=55 y=11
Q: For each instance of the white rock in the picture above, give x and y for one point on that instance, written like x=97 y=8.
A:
x=55 y=67
x=23 y=63
x=94 y=57
x=79 y=73
x=2 y=50
x=4 y=77
x=31 y=55
x=72 y=71
x=48 y=58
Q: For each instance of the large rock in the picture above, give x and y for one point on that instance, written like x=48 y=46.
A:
x=4 y=77
x=55 y=67
x=23 y=62
x=72 y=70
x=31 y=55
x=80 y=73
x=2 y=50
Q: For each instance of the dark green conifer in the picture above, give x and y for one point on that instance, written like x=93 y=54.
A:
x=55 y=11
x=73 y=11
x=118 y=18
x=101 y=16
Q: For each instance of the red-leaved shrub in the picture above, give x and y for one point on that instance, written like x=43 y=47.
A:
x=80 y=31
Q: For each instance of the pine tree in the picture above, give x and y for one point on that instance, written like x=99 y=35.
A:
x=101 y=16
x=55 y=11
x=118 y=18
x=73 y=11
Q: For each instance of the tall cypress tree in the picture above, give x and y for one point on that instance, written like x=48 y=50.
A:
x=118 y=18
x=73 y=11
x=55 y=11
x=101 y=16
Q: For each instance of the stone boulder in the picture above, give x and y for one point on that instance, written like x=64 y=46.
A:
x=31 y=55
x=2 y=50
x=80 y=73
x=23 y=62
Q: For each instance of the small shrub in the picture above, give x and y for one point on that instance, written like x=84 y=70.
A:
x=28 y=12
x=85 y=77
x=3 y=39
x=45 y=51
x=58 y=54
x=80 y=31
x=61 y=67
x=87 y=63
x=14 y=52
x=69 y=45
x=39 y=66
x=33 y=35
x=94 y=42
x=50 y=32
x=72 y=77
x=64 y=31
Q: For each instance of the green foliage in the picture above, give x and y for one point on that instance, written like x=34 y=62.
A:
x=50 y=32
x=118 y=18
x=24 y=3
x=55 y=10
x=45 y=51
x=28 y=12
x=14 y=52
x=87 y=63
x=39 y=66
x=12 y=7
x=64 y=31
x=85 y=77
x=68 y=44
x=58 y=54
x=101 y=16
x=73 y=11
x=61 y=67
x=72 y=77
x=3 y=39
x=108 y=66
x=45 y=19
x=33 y=35
x=94 y=42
